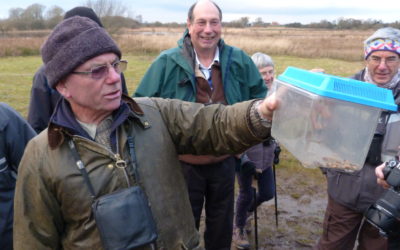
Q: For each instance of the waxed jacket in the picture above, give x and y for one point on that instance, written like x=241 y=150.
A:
x=15 y=133
x=53 y=203
x=44 y=100
x=172 y=75
x=358 y=190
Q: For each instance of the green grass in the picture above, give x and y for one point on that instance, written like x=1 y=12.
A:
x=16 y=73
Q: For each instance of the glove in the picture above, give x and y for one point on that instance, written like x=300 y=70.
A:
x=276 y=154
x=247 y=167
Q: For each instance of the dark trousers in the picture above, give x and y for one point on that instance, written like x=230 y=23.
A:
x=341 y=227
x=394 y=243
x=245 y=201
x=213 y=186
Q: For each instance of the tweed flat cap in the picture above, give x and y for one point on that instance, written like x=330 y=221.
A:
x=72 y=42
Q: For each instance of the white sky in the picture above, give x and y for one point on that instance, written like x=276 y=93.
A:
x=281 y=11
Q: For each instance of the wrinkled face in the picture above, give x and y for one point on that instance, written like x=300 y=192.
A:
x=91 y=96
x=205 y=28
x=383 y=66
x=267 y=74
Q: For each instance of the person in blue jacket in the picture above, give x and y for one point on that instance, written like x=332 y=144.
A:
x=204 y=69
x=15 y=133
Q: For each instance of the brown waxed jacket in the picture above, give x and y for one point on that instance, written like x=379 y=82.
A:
x=53 y=204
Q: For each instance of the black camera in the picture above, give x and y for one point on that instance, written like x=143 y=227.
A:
x=384 y=214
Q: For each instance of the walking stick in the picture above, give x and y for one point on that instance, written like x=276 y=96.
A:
x=257 y=172
x=276 y=161
x=275 y=196
x=255 y=219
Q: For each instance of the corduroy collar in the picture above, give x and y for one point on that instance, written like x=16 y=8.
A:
x=63 y=122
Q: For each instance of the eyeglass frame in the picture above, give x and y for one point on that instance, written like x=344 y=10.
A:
x=389 y=61
x=122 y=64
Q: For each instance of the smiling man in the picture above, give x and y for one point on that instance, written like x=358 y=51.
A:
x=204 y=69
x=350 y=194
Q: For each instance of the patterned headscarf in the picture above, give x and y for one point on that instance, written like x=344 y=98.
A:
x=386 y=39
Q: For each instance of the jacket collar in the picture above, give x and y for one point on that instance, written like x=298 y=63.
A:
x=63 y=122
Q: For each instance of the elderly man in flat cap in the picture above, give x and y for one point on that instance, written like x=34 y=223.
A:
x=104 y=174
x=350 y=194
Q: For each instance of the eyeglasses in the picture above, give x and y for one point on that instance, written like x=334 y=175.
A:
x=389 y=61
x=101 y=71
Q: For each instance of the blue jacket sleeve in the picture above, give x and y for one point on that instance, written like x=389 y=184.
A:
x=16 y=134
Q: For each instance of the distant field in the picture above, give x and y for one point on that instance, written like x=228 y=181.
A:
x=338 y=52
x=277 y=41
x=16 y=73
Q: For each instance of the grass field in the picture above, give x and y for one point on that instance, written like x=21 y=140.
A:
x=16 y=73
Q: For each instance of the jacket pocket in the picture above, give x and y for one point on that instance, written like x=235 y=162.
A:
x=344 y=187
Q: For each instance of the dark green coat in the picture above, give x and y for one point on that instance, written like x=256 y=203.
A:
x=171 y=75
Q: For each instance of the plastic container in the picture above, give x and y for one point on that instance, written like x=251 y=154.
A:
x=325 y=120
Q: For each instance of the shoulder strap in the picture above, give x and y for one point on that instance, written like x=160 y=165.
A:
x=81 y=167
x=131 y=146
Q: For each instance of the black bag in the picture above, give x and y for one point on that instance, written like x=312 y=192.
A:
x=124 y=219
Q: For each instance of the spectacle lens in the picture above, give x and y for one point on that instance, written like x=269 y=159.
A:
x=101 y=71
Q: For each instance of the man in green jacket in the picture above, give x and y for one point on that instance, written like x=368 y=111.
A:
x=204 y=69
x=115 y=143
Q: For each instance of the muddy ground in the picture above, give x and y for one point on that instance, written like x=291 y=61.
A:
x=301 y=198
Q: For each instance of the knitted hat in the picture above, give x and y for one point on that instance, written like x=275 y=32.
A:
x=387 y=39
x=83 y=11
x=72 y=42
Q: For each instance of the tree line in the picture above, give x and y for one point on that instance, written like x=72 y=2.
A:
x=114 y=15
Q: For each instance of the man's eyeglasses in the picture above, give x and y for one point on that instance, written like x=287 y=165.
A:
x=389 y=61
x=99 y=72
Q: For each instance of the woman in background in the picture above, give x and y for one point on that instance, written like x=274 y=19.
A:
x=255 y=162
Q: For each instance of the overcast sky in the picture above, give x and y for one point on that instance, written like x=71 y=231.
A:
x=281 y=11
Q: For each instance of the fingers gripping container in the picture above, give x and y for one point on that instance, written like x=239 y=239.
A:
x=325 y=120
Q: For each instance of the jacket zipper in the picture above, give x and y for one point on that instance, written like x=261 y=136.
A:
x=119 y=162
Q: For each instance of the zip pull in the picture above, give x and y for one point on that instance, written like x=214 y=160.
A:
x=121 y=164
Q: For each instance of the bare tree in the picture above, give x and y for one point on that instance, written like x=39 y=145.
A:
x=109 y=8
x=33 y=16
x=15 y=13
x=53 y=16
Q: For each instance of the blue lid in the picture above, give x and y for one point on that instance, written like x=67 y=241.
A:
x=340 y=88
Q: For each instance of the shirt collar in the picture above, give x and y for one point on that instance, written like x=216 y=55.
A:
x=216 y=59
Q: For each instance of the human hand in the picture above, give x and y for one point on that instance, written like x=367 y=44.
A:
x=317 y=70
x=267 y=106
x=380 y=176
x=247 y=167
x=277 y=152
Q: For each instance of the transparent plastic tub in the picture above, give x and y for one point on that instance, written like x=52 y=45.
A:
x=327 y=121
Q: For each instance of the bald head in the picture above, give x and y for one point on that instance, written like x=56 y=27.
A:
x=201 y=4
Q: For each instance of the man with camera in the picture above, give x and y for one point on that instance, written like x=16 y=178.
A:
x=385 y=213
x=351 y=194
